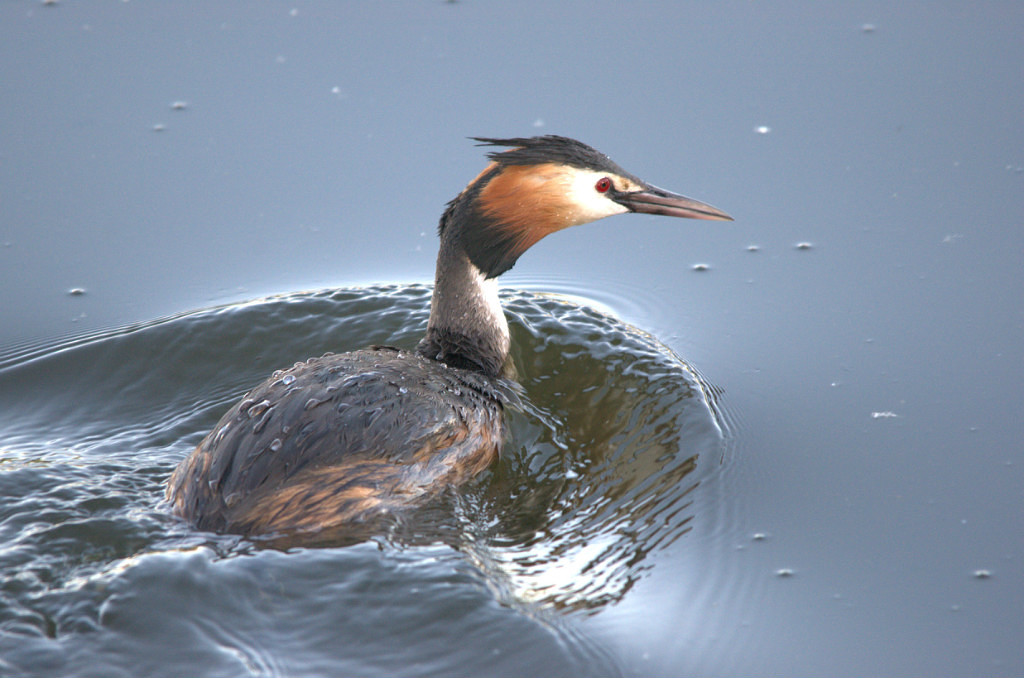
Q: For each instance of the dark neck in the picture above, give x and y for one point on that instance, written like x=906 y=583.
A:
x=467 y=326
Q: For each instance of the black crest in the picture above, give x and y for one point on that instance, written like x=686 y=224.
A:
x=550 y=148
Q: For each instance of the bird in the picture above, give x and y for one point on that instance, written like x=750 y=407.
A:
x=338 y=441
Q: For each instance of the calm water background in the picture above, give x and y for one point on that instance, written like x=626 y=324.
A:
x=872 y=380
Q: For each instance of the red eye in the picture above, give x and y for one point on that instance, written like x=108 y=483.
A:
x=603 y=184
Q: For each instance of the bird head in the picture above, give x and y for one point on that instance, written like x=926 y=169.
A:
x=545 y=184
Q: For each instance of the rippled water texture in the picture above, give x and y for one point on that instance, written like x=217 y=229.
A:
x=597 y=474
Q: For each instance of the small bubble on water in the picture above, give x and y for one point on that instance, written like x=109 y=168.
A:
x=159 y=127
x=759 y=536
x=784 y=572
x=179 y=105
x=803 y=245
x=763 y=129
x=700 y=267
x=753 y=248
x=868 y=28
x=982 y=574
x=76 y=291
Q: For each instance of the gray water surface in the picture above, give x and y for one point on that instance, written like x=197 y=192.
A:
x=865 y=517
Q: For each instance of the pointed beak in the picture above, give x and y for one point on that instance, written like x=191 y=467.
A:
x=654 y=200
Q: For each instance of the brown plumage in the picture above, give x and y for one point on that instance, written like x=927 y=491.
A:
x=333 y=443
x=311 y=448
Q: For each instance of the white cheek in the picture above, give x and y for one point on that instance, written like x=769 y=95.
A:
x=588 y=204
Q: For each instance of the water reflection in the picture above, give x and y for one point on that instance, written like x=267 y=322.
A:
x=612 y=436
x=599 y=466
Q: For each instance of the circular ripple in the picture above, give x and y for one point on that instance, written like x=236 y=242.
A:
x=598 y=472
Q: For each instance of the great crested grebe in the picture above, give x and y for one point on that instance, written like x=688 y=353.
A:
x=340 y=439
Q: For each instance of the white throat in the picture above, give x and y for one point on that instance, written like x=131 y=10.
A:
x=486 y=291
